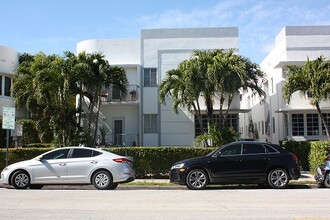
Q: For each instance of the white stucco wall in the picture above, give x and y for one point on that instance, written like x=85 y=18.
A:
x=164 y=49
x=292 y=46
x=116 y=51
x=9 y=59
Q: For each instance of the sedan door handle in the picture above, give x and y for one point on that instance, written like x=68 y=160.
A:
x=62 y=164
x=94 y=162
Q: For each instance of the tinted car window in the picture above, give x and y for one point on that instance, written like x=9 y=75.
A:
x=253 y=149
x=79 y=153
x=59 y=154
x=270 y=149
x=234 y=149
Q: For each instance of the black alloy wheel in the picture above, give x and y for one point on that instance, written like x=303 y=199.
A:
x=278 y=178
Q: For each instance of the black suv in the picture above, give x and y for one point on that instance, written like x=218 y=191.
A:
x=239 y=162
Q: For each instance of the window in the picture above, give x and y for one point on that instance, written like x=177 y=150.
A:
x=270 y=149
x=253 y=149
x=150 y=77
x=58 y=154
x=232 y=121
x=327 y=122
x=78 y=153
x=7 y=86
x=150 y=123
x=297 y=124
x=230 y=150
x=116 y=94
x=312 y=124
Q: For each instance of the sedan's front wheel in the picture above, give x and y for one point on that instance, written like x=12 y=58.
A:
x=278 y=178
x=102 y=180
x=196 y=179
x=20 y=180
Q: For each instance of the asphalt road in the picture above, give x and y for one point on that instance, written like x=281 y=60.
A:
x=297 y=202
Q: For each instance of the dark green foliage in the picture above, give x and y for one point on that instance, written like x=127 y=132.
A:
x=30 y=134
x=155 y=162
x=318 y=154
x=300 y=149
x=20 y=154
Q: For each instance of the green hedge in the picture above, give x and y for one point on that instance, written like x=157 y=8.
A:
x=318 y=154
x=149 y=162
x=301 y=149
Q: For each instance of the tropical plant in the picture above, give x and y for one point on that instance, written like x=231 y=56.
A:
x=217 y=74
x=312 y=78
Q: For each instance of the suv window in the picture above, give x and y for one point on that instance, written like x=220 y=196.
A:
x=270 y=149
x=230 y=150
x=58 y=154
x=253 y=149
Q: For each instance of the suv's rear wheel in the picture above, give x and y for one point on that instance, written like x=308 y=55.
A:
x=278 y=178
x=20 y=180
x=196 y=179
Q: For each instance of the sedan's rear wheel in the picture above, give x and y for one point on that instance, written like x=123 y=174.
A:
x=196 y=179
x=278 y=178
x=327 y=180
x=102 y=180
x=20 y=180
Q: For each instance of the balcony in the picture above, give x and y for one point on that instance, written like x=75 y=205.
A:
x=113 y=95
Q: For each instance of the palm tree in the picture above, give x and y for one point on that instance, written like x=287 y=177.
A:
x=211 y=74
x=232 y=74
x=313 y=78
x=182 y=85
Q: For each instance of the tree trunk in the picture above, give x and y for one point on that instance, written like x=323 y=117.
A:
x=97 y=113
x=323 y=121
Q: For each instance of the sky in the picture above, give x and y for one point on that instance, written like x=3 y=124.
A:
x=56 y=26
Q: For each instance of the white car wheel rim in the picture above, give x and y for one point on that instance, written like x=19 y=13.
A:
x=102 y=180
x=21 y=180
x=197 y=179
x=279 y=178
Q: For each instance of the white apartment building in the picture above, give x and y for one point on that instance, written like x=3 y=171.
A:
x=138 y=118
x=275 y=120
x=8 y=63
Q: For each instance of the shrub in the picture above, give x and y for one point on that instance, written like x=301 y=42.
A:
x=300 y=149
x=318 y=153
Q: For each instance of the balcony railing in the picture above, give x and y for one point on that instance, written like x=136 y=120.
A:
x=113 y=95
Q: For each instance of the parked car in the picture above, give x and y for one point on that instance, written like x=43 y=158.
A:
x=71 y=165
x=242 y=162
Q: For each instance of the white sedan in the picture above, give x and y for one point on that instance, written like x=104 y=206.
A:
x=71 y=165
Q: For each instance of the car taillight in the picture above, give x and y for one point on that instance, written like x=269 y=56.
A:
x=294 y=158
x=122 y=160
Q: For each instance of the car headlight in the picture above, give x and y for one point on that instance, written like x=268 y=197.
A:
x=177 y=166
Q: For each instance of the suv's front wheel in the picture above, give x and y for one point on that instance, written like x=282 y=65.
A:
x=278 y=178
x=196 y=179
